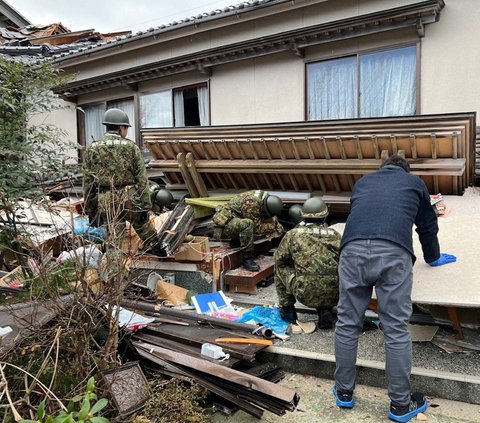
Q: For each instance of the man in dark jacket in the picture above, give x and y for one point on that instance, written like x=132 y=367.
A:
x=377 y=250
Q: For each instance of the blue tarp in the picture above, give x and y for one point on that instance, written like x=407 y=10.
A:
x=266 y=316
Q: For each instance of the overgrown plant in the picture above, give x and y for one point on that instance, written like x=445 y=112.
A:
x=89 y=330
x=29 y=153
x=81 y=409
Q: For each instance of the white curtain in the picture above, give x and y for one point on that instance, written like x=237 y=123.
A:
x=156 y=110
x=332 y=88
x=388 y=83
x=203 y=106
x=127 y=106
x=179 y=108
x=94 y=129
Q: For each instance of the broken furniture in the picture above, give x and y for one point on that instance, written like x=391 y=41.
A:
x=245 y=281
x=325 y=157
x=173 y=231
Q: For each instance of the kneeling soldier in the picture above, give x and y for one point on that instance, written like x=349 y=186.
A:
x=306 y=263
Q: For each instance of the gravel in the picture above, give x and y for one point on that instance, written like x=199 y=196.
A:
x=425 y=354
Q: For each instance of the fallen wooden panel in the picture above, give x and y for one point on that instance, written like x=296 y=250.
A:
x=172 y=345
x=27 y=317
x=198 y=335
x=315 y=156
x=173 y=231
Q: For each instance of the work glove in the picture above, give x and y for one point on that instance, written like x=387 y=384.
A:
x=443 y=259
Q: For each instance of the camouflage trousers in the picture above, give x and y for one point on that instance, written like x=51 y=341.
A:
x=242 y=229
x=312 y=290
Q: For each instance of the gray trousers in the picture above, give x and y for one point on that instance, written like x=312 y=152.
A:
x=387 y=266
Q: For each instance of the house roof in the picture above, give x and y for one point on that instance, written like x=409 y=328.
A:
x=10 y=17
x=414 y=16
x=35 y=43
x=32 y=43
x=227 y=11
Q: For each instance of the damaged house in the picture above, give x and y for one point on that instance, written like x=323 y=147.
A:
x=298 y=98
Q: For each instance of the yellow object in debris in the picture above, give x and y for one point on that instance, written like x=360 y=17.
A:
x=205 y=206
x=245 y=341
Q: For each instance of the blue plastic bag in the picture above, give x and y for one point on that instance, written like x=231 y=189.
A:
x=266 y=316
x=91 y=233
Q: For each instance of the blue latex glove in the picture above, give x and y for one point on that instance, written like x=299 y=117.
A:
x=443 y=259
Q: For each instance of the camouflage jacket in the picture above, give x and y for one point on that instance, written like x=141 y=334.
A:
x=248 y=205
x=113 y=163
x=311 y=249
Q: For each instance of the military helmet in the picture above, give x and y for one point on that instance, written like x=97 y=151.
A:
x=163 y=198
x=116 y=117
x=272 y=205
x=295 y=213
x=314 y=207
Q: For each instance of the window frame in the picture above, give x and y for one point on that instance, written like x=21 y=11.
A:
x=172 y=91
x=82 y=137
x=357 y=54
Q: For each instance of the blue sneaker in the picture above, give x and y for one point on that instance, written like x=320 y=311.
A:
x=418 y=404
x=343 y=399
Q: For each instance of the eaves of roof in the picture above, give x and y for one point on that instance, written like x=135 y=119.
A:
x=227 y=11
x=13 y=14
x=414 y=16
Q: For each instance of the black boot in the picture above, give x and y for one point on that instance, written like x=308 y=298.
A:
x=289 y=314
x=248 y=262
x=325 y=318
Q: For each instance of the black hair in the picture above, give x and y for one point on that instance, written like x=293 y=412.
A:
x=397 y=160
x=114 y=128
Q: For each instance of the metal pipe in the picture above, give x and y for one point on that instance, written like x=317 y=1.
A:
x=188 y=315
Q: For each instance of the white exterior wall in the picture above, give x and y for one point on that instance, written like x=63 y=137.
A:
x=450 y=74
x=261 y=90
x=65 y=119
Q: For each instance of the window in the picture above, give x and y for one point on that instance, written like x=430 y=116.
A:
x=365 y=85
x=187 y=106
x=156 y=110
x=93 y=122
x=94 y=129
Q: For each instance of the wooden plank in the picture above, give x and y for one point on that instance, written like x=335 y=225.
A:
x=145 y=350
x=452 y=313
x=197 y=179
x=199 y=335
x=182 y=166
x=241 y=276
x=248 y=382
x=338 y=166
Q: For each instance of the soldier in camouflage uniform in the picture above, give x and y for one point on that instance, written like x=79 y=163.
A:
x=246 y=215
x=306 y=263
x=115 y=183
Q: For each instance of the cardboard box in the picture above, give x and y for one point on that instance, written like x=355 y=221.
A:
x=195 y=250
x=15 y=279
